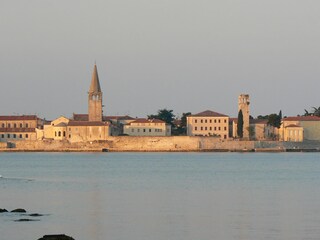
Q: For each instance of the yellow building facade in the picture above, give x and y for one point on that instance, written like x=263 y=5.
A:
x=17 y=128
x=208 y=123
x=300 y=128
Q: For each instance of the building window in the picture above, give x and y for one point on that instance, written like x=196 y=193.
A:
x=144 y=130
x=225 y=121
x=2 y=135
x=9 y=125
x=225 y=136
x=69 y=135
x=27 y=136
x=201 y=128
x=215 y=128
x=15 y=125
x=2 y=125
x=21 y=125
x=195 y=121
x=215 y=121
x=138 y=130
x=55 y=134
x=219 y=128
x=219 y=121
x=132 y=130
x=59 y=134
x=14 y=136
x=205 y=121
x=225 y=128
x=20 y=136
x=210 y=128
x=201 y=121
x=195 y=128
x=27 y=125
x=210 y=120
x=8 y=135
x=64 y=133
x=205 y=128
x=150 y=130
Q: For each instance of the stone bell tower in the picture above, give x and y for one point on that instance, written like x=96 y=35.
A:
x=243 y=104
x=95 y=97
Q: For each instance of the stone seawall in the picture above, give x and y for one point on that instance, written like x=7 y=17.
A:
x=156 y=144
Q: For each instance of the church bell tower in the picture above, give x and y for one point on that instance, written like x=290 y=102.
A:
x=95 y=97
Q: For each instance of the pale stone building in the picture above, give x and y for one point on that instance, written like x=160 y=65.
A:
x=147 y=127
x=259 y=129
x=56 y=129
x=243 y=105
x=208 y=123
x=25 y=127
x=300 y=128
x=83 y=127
x=81 y=131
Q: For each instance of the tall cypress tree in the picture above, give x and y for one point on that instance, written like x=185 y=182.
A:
x=240 y=124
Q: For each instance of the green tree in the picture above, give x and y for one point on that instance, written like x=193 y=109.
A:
x=164 y=115
x=240 y=124
x=181 y=127
x=275 y=119
x=316 y=111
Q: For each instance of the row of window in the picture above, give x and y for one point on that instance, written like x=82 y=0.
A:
x=146 y=124
x=209 y=121
x=147 y=130
x=14 y=135
x=58 y=134
x=209 y=128
x=14 y=125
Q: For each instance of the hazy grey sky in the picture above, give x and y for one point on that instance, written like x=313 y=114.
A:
x=185 y=55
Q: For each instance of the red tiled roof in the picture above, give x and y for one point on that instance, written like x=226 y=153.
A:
x=18 y=118
x=126 y=117
x=302 y=118
x=80 y=117
x=144 y=120
x=12 y=130
x=87 y=123
x=85 y=117
x=208 y=113
x=258 y=121
x=293 y=125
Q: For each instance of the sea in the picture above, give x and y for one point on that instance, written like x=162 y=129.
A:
x=161 y=196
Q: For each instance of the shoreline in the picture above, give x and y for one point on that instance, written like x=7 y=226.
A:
x=160 y=144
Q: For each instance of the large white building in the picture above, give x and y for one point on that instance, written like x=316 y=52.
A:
x=147 y=127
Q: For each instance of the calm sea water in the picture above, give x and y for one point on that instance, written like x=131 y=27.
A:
x=161 y=196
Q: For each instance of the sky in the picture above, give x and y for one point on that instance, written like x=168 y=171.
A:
x=184 y=55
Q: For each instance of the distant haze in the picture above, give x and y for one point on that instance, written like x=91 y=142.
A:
x=184 y=55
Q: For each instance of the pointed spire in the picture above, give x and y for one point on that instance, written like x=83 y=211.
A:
x=95 y=84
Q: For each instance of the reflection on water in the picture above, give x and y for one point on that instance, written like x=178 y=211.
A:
x=162 y=196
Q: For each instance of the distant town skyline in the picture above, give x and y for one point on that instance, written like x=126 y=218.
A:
x=188 y=56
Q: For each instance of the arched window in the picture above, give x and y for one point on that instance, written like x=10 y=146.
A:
x=64 y=133
x=21 y=125
x=55 y=134
x=59 y=134
x=3 y=125
x=9 y=125
x=27 y=135
x=27 y=125
x=15 y=125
